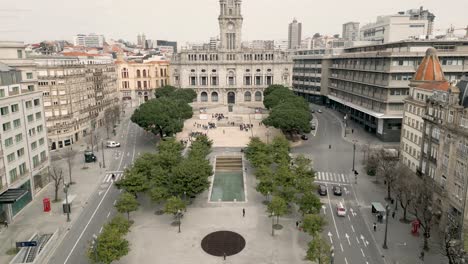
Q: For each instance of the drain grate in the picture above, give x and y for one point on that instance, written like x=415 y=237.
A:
x=223 y=242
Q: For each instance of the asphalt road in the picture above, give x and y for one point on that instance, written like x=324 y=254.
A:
x=100 y=208
x=350 y=235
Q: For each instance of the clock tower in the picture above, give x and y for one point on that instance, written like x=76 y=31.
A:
x=230 y=24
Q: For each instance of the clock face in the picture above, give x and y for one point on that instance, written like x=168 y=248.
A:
x=230 y=26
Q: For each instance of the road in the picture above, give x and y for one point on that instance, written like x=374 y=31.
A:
x=100 y=208
x=332 y=159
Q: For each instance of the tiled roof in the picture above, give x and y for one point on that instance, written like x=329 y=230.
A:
x=435 y=85
x=77 y=53
x=430 y=69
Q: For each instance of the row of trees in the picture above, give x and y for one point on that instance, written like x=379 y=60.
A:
x=289 y=182
x=289 y=112
x=166 y=114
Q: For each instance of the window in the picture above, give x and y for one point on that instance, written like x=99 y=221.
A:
x=13 y=175
x=11 y=157
x=37 y=102
x=214 y=97
x=41 y=141
x=32 y=132
x=214 y=80
x=19 y=53
x=43 y=156
x=8 y=142
x=204 y=80
x=16 y=123
x=19 y=138
x=14 y=108
x=34 y=145
x=31 y=88
x=193 y=80
x=258 y=96
x=247 y=80
x=258 y=80
x=138 y=73
x=30 y=118
x=38 y=115
x=36 y=161
x=2 y=93
x=204 y=97
x=40 y=129
x=6 y=126
x=269 y=80
x=4 y=111
x=28 y=104
x=29 y=75
x=20 y=152
x=22 y=169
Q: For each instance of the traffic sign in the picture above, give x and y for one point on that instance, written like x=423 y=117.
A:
x=26 y=244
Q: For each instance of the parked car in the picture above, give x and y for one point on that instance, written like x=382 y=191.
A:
x=113 y=144
x=319 y=111
x=340 y=209
x=89 y=156
x=337 y=190
x=322 y=190
x=304 y=137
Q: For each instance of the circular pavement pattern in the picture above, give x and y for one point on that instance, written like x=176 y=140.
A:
x=223 y=242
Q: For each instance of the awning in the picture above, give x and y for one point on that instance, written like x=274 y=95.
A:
x=12 y=195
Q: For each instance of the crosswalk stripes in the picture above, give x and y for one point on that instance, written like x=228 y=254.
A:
x=331 y=177
x=108 y=177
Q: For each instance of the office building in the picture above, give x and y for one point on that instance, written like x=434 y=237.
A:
x=294 y=35
x=173 y=44
x=350 y=31
x=90 y=40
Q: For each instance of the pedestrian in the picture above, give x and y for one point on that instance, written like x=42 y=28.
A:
x=100 y=165
x=224 y=255
x=422 y=255
x=375 y=227
x=113 y=177
x=352 y=131
x=243 y=212
x=393 y=215
x=297 y=224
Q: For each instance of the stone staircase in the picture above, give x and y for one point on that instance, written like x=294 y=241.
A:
x=229 y=163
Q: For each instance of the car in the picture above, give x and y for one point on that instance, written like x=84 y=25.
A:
x=320 y=111
x=322 y=190
x=312 y=111
x=337 y=190
x=113 y=144
x=340 y=209
x=304 y=137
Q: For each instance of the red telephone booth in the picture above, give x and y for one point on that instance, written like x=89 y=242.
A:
x=46 y=203
x=415 y=227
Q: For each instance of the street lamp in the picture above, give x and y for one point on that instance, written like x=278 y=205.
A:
x=354 y=151
x=185 y=201
x=272 y=224
x=103 y=160
x=179 y=213
x=67 y=206
x=386 y=226
x=332 y=254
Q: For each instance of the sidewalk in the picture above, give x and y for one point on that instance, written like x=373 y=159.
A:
x=32 y=219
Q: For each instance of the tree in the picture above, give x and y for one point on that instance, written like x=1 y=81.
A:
x=278 y=207
x=371 y=162
x=127 y=203
x=387 y=168
x=319 y=251
x=57 y=177
x=277 y=96
x=165 y=91
x=110 y=119
x=404 y=186
x=110 y=246
x=280 y=149
x=186 y=95
x=284 y=183
x=69 y=155
x=309 y=203
x=290 y=118
x=191 y=176
x=133 y=182
x=421 y=208
x=304 y=174
x=272 y=88
x=174 y=206
x=452 y=245
x=120 y=223
x=313 y=224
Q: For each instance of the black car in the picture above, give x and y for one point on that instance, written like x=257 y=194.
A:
x=322 y=190
x=304 y=137
x=337 y=190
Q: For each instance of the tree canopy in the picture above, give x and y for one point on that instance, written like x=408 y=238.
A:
x=127 y=203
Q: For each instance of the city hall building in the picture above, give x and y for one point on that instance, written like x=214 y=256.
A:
x=230 y=74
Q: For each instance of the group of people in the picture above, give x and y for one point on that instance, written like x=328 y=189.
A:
x=245 y=127
x=218 y=116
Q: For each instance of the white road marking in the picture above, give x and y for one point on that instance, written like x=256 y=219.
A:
x=357 y=239
x=330 y=236
x=348 y=217
x=128 y=154
x=87 y=224
x=347 y=237
x=115 y=202
x=341 y=246
x=108 y=214
x=100 y=230
x=362 y=251
x=346 y=261
x=332 y=214
x=363 y=240
x=343 y=178
x=352 y=227
x=324 y=209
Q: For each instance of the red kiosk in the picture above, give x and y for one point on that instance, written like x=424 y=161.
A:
x=46 y=203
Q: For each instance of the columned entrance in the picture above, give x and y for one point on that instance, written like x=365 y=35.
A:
x=231 y=98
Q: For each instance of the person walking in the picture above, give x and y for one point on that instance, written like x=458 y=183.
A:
x=375 y=227
x=393 y=215
x=422 y=255
x=113 y=177
x=297 y=224
x=243 y=212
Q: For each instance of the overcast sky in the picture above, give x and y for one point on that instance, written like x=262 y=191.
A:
x=196 y=20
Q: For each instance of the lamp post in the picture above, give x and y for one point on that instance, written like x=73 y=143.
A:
x=179 y=214
x=103 y=160
x=272 y=224
x=354 y=152
x=185 y=201
x=386 y=226
x=67 y=206
x=332 y=254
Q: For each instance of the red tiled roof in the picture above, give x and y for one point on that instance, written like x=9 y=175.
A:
x=430 y=69
x=441 y=86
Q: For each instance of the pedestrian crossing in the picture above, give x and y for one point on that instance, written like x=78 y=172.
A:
x=331 y=177
x=108 y=178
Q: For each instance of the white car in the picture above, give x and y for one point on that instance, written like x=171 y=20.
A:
x=113 y=144
x=340 y=209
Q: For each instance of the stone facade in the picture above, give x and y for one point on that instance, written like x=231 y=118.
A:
x=231 y=74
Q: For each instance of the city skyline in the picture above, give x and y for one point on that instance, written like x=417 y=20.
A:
x=145 y=16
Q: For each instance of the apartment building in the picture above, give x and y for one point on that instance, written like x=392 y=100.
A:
x=76 y=93
x=24 y=157
x=137 y=81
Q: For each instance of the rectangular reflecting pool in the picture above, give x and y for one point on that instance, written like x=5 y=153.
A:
x=228 y=182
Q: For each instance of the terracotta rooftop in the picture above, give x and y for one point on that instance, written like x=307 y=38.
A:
x=430 y=69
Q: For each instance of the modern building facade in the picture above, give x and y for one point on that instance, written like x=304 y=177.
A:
x=90 y=40
x=350 y=31
x=166 y=43
x=24 y=156
x=76 y=93
x=294 y=35
x=138 y=81
x=231 y=74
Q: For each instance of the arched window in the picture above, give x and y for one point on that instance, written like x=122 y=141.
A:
x=258 y=96
x=214 y=97
x=138 y=73
x=247 y=97
x=204 y=97
x=144 y=73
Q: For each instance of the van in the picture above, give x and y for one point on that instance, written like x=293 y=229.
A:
x=340 y=209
